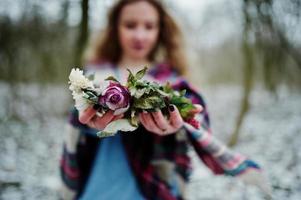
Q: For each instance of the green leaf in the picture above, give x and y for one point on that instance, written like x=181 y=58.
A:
x=91 y=96
x=162 y=93
x=134 y=118
x=185 y=110
x=140 y=83
x=150 y=102
x=139 y=75
x=112 y=78
x=167 y=88
x=139 y=93
x=182 y=92
x=130 y=72
x=178 y=100
x=131 y=79
x=132 y=91
x=147 y=90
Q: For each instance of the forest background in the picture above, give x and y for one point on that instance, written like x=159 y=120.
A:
x=244 y=56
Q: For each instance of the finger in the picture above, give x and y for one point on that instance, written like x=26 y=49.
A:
x=87 y=115
x=198 y=108
x=116 y=117
x=149 y=124
x=175 y=118
x=257 y=178
x=102 y=122
x=141 y=119
x=91 y=124
x=160 y=120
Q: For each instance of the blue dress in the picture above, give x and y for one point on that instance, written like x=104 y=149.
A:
x=111 y=176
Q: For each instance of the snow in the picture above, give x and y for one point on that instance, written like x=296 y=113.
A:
x=30 y=144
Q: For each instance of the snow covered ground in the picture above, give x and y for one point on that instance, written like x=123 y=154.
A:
x=30 y=142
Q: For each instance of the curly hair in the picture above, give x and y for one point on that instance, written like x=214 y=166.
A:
x=169 y=48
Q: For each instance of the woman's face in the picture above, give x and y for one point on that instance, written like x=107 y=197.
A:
x=138 y=29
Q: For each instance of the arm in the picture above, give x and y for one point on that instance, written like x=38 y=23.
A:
x=213 y=153
x=69 y=169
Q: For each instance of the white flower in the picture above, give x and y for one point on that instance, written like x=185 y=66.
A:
x=80 y=102
x=78 y=81
x=118 y=125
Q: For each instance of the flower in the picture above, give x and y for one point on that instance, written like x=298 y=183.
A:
x=80 y=102
x=78 y=81
x=116 y=97
x=193 y=122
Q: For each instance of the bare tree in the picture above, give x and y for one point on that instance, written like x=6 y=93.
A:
x=83 y=32
x=273 y=49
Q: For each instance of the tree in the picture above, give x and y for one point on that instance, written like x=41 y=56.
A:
x=83 y=32
x=273 y=49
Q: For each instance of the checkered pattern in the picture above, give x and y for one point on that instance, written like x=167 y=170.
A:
x=154 y=158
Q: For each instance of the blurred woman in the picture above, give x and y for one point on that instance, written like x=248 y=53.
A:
x=151 y=162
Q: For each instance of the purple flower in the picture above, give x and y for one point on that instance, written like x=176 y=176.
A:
x=116 y=97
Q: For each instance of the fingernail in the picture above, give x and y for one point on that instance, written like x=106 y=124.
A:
x=96 y=106
x=171 y=108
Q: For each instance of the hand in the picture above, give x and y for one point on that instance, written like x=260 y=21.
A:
x=71 y=138
x=257 y=177
x=90 y=118
x=156 y=123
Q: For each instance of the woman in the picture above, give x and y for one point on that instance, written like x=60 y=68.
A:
x=152 y=162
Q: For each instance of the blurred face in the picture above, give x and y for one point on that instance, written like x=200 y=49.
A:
x=138 y=29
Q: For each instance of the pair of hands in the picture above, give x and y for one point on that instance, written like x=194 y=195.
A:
x=154 y=122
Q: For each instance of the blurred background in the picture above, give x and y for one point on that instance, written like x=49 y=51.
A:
x=245 y=57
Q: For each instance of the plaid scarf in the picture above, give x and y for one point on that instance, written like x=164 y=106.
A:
x=157 y=161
